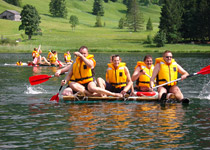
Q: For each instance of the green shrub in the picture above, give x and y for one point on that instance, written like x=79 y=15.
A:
x=7 y=41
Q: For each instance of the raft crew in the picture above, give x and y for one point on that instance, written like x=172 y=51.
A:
x=118 y=78
x=54 y=59
x=166 y=70
x=37 y=59
x=142 y=74
x=83 y=73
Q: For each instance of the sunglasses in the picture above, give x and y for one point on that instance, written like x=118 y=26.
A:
x=168 y=56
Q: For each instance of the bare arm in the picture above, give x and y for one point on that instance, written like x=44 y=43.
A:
x=107 y=76
x=154 y=74
x=129 y=81
x=63 y=70
x=183 y=72
x=63 y=82
x=88 y=62
x=136 y=74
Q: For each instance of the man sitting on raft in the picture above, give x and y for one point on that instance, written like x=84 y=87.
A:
x=82 y=74
x=142 y=74
x=166 y=70
x=118 y=78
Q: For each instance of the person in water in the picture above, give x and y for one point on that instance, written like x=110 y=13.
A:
x=142 y=74
x=118 y=78
x=19 y=63
x=166 y=69
x=82 y=74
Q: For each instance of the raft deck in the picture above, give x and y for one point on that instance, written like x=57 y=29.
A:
x=130 y=98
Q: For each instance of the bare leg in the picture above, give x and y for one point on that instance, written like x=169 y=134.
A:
x=101 y=83
x=67 y=92
x=93 y=88
x=45 y=61
x=161 y=90
x=177 y=92
x=80 y=88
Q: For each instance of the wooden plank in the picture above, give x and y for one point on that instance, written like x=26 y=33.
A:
x=131 y=98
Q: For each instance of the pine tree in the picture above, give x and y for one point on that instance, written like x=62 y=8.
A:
x=98 y=21
x=149 y=25
x=189 y=24
x=160 y=39
x=122 y=23
x=58 y=8
x=30 y=20
x=14 y=2
x=203 y=16
x=98 y=7
x=135 y=18
x=171 y=20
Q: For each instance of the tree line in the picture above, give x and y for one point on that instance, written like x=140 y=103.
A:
x=180 y=21
x=184 y=21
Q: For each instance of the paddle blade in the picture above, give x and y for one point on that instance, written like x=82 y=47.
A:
x=38 y=79
x=205 y=70
x=55 y=98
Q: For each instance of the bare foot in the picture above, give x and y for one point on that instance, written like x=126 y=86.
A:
x=118 y=95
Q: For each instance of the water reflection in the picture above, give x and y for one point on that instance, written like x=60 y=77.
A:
x=29 y=121
x=121 y=125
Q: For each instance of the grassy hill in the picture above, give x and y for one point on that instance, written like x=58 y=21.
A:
x=57 y=33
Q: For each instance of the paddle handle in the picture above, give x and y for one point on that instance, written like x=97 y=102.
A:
x=147 y=75
x=67 y=73
x=193 y=74
x=60 y=89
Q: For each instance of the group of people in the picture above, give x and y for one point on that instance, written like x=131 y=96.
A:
x=51 y=60
x=119 y=82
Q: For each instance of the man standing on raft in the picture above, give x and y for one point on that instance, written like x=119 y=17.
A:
x=166 y=69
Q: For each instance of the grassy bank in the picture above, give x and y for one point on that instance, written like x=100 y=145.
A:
x=57 y=33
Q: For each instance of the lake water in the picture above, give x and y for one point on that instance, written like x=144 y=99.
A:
x=30 y=121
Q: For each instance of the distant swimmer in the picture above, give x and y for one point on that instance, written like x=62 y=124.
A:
x=19 y=63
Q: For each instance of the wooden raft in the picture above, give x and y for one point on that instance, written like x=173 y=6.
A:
x=130 y=98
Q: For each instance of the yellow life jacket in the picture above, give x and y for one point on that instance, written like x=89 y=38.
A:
x=19 y=63
x=48 y=56
x=81 y=72
x=117 y=77
x=67 y=57
x=53 y=58
x=144 y=80
x=36 y=53
x=167 y=72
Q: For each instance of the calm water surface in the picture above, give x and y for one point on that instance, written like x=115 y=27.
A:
x=30 y=121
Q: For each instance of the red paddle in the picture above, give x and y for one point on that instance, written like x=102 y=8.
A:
x=38 y=79
x=203 y=71
x=56 y=97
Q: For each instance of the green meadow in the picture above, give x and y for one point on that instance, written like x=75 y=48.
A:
x=58 y=35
